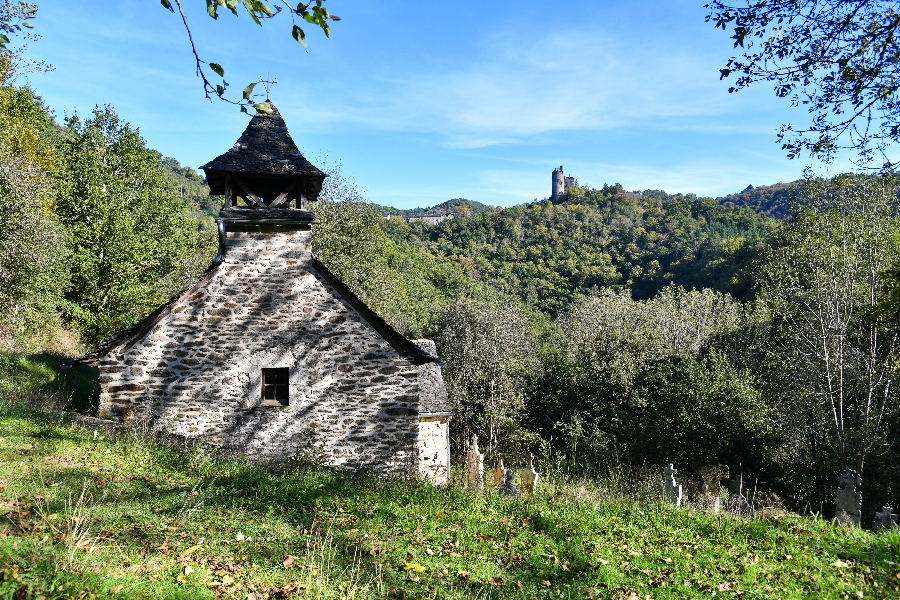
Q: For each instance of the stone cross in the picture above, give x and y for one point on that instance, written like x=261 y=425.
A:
x=848 y=500
x=884 y=519
x=529 y=477
x=475 y=465
x=670 y=489
x=499 y=470
x=507 y=486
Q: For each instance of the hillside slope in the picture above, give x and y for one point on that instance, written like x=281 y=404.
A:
x=770 y=200
x=547 y=252
x=87 y=514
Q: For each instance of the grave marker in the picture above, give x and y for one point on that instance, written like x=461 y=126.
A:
x=670 y=489
x=499 y=470
x=848 y=500
x=507 y=487
x=475 y=465
x=884 y=519
x=529 y=477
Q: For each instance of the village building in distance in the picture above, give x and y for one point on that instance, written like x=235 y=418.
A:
x=269 y=353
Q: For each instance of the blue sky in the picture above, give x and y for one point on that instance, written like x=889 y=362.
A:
x=425 y=101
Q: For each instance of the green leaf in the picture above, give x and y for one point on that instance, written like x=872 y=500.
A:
x=220 y=90
x=244 y=109
x=263 y=107
x=3 y=40
x=217 y=68
x=299 y=36
x=248 y=91
x=211 y=9
x=167 y=4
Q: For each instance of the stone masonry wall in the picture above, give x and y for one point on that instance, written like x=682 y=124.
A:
x=353 y=397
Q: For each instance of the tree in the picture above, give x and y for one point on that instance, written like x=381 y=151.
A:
x=608 y=346
x=130 y=237
x=490 y=356
x=826 y=279
x=14 y=16
x=707 y=412
x=838 y=58
x=313 y=12
x=33 y=272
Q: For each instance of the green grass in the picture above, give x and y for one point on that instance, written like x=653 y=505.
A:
x=86 y=514
x=37 y=379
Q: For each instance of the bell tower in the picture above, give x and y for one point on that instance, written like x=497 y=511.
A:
x=264 y=169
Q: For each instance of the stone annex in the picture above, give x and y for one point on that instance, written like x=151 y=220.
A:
x=269 y=354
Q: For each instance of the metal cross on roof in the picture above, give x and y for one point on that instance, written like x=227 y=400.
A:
x=268 y=82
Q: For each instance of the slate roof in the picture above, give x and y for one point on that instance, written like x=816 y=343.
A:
x=265 y=148
x=133 y=334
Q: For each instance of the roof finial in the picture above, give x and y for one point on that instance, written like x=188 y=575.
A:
x=268 y=82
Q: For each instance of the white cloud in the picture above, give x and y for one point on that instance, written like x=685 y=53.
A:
x=517 y=88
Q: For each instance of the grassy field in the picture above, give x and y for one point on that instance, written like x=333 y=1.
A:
x=87 y=514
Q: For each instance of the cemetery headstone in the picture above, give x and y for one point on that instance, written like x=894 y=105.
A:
x=507 y=487
x=475 y=465
x=848 y=500
x=737 y=501
x=499 y=470
x=884 y=519
x=670 y=489
x=710 y=480
x=529 y=477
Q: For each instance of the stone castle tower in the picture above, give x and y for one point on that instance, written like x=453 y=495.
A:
x=560 y=183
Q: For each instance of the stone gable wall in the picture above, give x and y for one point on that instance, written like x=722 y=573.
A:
x=353 y=397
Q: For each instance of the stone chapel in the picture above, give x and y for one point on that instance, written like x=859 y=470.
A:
x=269 y=353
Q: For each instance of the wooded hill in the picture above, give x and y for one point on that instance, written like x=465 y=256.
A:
x=547 y=252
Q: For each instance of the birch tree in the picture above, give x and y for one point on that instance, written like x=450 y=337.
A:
x=825 y=280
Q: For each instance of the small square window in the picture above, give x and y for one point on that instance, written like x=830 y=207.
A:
x=275 y=387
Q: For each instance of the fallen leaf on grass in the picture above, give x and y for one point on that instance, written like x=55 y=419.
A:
x=602 y=561
x=414 y=567
x=463 y=574
x=255 y=596
x=724 y=587
x=839 y=563
x=116 y=589
x=495 y=580
x=288 y=562
x=546 y=583
x=667 y=560
x=239 y=537
x=190 y=550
